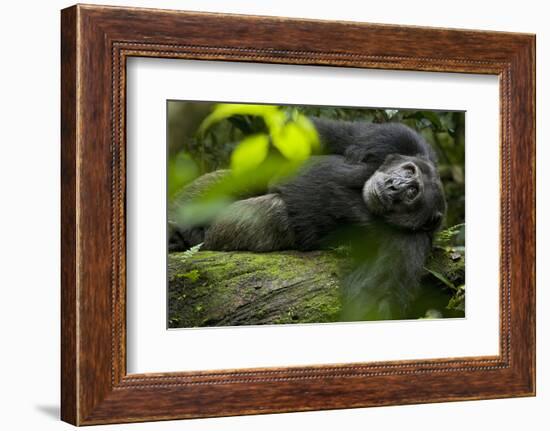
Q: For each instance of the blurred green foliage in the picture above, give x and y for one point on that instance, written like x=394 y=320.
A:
x=263 y=143
x=290 y=132
x=204 y=137
x=271 y=143
x=447 y=266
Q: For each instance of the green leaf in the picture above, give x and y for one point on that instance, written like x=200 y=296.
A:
x=433 y=118
x=441 y=278
x=250 y=153
x=226 y=110
x=188 y=254
x=443 y=238
x=182 y=169
x=293 y=142
x=192 y=275
x=275 y=121
x=310 y=131
x=390 y=113
x=432 y=313
x=445 y=140
x=458 y=301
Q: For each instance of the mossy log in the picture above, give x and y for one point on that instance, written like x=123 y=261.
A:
x=236 y=288
x=209 y=288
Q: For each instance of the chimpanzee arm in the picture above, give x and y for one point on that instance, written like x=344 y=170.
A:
x=360 y=141
x=384 y=282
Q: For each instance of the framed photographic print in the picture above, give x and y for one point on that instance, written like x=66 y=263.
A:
x=260 y=217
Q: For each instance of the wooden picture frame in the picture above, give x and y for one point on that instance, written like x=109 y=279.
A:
x=95 y=43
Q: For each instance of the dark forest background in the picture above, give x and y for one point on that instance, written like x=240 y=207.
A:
x=192 y=154
x=262 y=142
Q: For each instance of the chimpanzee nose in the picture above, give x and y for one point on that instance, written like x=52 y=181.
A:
x=396 y=184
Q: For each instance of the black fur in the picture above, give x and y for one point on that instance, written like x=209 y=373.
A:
x=328 y=204
x=255 y=224
x=377 y=190
x=325 y=196
x=370 y=142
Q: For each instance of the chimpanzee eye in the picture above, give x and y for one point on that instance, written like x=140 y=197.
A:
x=409 y=170
x=411 y=192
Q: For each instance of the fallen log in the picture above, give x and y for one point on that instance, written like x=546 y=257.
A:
x=210 y=288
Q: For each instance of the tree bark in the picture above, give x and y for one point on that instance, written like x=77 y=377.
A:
x=212 y=288
x=235 y=288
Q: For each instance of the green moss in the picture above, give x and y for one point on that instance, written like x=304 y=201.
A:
x=269 y=286
x=191 y=275
x=244 y=288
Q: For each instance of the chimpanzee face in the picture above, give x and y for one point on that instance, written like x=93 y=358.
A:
x=406 y=192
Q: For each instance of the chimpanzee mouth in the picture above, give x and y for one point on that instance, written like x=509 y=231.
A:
x=375 y=200
x=382 y=197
